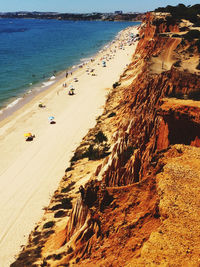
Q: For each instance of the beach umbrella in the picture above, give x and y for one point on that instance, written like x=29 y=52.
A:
x=41 y=104
x=51 y=118
x=28 y=135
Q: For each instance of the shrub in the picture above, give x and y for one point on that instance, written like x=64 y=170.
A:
x=100 y=137
x=68 y=188
x=184 y=29
x=198 y=44
x=94 y=153
x=69 y=169
x=193 y=34
x=48 y=225
x=190 y=49
x=198 y=66
x=157 y=22
x=112 y=114
x=170 y=20
x=56 y=207
x=176 y=36
x=60 y=213
x=116 y=84
x=177 y=63
x=57 y=256
x=96 y=150
x=194 y=95
x=183 y=42
x=182 y=12
x=66 y=203
x=70 y=250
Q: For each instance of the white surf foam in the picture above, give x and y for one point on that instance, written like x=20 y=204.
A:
x=12 y=104
x=44 y=84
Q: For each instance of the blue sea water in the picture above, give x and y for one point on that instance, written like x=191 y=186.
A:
x=31 y=50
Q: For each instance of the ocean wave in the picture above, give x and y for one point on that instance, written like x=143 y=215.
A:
x=15 y=102
x=15 y=46
x=85 y=59
x=44 y=84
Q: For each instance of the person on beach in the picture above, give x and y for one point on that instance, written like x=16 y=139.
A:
x=71 y=91
x=41 y=105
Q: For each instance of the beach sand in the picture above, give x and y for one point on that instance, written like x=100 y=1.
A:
x=30 y=171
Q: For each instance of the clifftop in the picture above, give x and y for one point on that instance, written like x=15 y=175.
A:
x=140 y=205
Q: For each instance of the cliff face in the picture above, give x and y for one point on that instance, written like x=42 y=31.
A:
x=142 y=206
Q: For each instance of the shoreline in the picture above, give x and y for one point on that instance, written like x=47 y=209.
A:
x=31 y=171
x=16 y=103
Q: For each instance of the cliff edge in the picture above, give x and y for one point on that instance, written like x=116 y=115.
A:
x=140 y=205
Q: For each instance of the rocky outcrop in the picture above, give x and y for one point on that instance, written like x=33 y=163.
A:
x=176 y=241
x=137 y=208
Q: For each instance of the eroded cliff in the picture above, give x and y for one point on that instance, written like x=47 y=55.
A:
x=140 y=205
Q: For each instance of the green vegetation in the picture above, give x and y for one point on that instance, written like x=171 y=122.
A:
x=198 y=44
x=68 y=188
x=169 y=20
x=195 y=95
x=182 y=12
x=60 y=213
x=112 y=114
x=100 y=137
x=179 y=12
x=70 y=250
x=48 y=225
x=198 y=66
x=94 y=153
x=97 y=149
x=193 y=34
x=66 y=203
x=116 y=84
x=176 y=35
x=177 y=63
x=184 y=29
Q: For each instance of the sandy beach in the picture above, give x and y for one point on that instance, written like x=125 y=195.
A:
x=30 y=171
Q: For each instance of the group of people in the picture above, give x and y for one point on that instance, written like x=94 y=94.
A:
x=107 y=53
x=71 y=89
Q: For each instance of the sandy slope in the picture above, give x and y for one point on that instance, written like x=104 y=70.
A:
x=31 y=171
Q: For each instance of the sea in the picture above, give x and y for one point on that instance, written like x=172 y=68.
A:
x=34 y=51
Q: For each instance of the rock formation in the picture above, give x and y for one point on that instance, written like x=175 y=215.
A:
x=141 y=205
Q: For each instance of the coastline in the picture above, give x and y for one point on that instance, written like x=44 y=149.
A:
x=15 y=103
x=31 y=171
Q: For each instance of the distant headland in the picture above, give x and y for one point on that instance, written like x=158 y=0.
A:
x=116 y=16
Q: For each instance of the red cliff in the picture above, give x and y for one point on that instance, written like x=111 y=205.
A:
x=141 y=206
